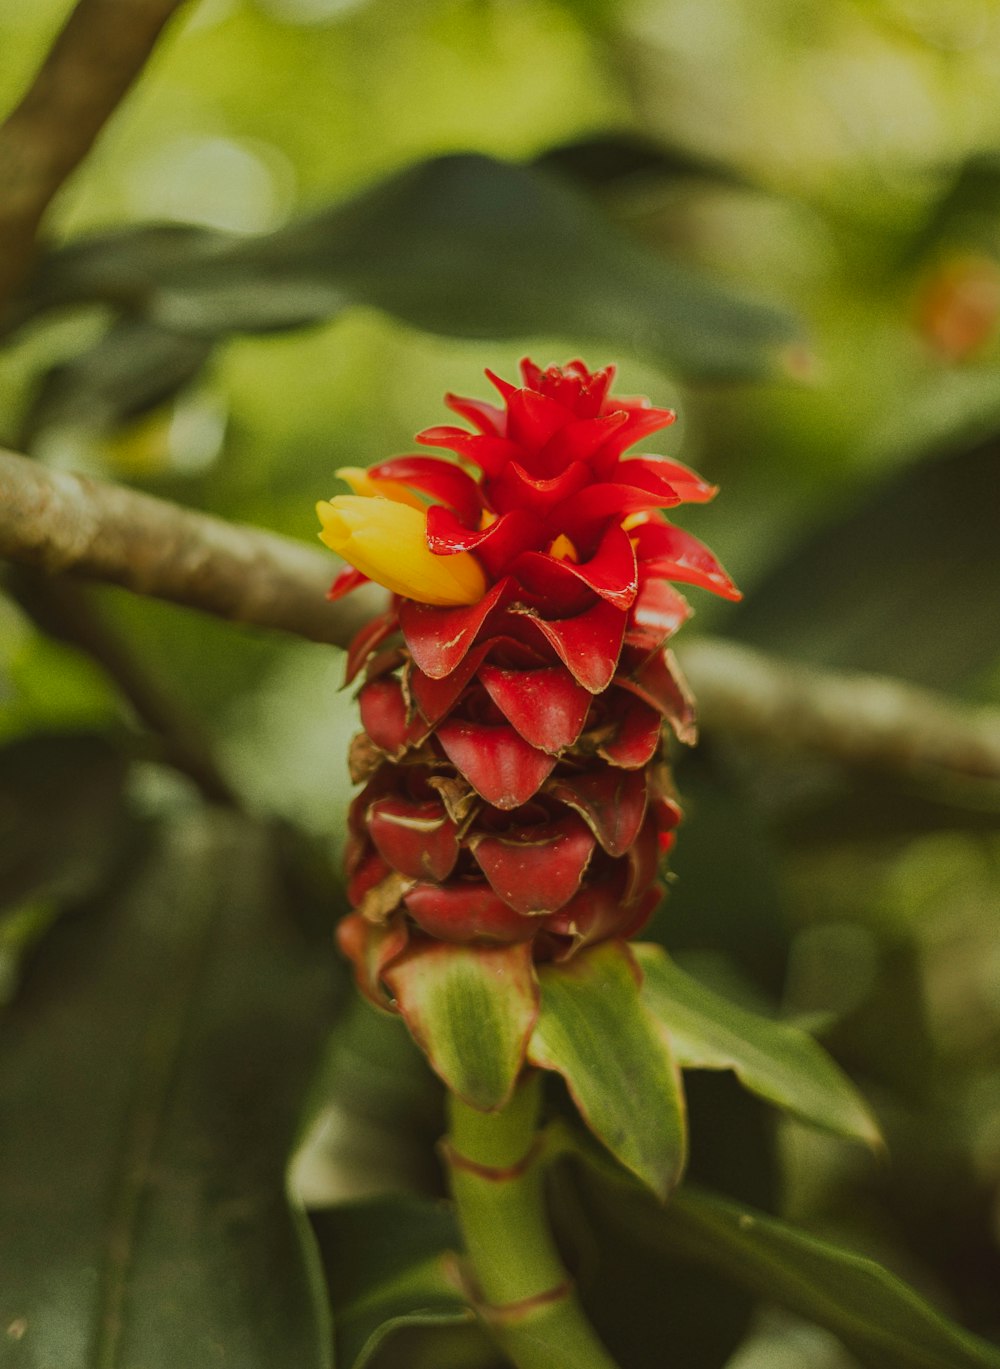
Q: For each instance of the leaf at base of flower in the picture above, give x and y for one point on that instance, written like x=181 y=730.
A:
x=472 y=1010
x=776 y=1060
x=595 y=1030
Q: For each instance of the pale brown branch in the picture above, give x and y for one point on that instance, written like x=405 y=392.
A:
x=93 y=62
x=63 y=522
x=68 y=523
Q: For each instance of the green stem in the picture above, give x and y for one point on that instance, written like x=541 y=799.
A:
x=525 y=1295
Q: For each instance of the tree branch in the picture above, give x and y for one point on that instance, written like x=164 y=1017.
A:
x=68 y=523
x=93 y=62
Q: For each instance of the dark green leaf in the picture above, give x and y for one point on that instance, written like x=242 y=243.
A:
x=464 y=246
x=604 y=159
x=777 y=1061
x=154 y=1068
x=877 y=1316
x=61 y=815
x=390 y=1265
x=906 y=585
x=596 y=1032
x=132 y=368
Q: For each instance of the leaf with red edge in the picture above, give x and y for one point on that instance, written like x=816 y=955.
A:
x=417 y=838
x=370 y=950
x=442 y=480
x=595 y=1030
x=589 y=644
x=472 y=1009
x=463 y=912
x=536 y=870
x=611 y=802
x=547 y=707
x=499 y=764
x=438 y=638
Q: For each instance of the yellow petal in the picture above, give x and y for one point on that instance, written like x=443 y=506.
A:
x=362 y=483
x=387 y=541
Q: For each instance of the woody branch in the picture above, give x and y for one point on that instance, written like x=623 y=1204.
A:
x=69 y=524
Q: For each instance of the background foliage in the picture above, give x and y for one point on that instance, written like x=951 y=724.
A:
x=784 y=220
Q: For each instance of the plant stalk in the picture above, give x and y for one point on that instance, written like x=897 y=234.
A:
x=524 y=1294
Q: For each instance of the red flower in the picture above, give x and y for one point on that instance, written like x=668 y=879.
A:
x=513 y=698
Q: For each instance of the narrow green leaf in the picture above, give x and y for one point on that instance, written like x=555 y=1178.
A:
x=472 y=1009
x=463 y=246
x=595 y=1031
x=775 y=1060
x=388 y=1263
x=153 y=1067
x=877 y=1316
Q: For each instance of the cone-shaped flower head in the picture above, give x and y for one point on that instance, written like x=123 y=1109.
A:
x=514 y=691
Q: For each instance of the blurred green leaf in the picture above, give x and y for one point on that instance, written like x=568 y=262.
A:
x=777 y=1061
x=61 y=815
x=154 y=1068
x=906 y=584
x=605 y=159
x=464 y=246
x=387 y=1263
x=877 y=1316
x=595 y=1031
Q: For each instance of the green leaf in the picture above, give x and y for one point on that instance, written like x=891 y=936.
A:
x=900 y=585
x=388 y=1264
x=775 y=1060
x=472 y=1009
x=463 y=246
x=877 y=1316
x=595 y=1031
x=154 y=1068
x=61 y=815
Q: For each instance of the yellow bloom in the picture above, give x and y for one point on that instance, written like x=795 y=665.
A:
x=387 y=541
x=362 y=483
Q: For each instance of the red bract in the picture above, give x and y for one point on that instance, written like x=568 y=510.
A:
x=515 y=785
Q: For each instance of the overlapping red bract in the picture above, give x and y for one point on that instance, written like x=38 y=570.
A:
x=515 y=788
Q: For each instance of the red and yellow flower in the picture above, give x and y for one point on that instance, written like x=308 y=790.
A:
x=514 y=691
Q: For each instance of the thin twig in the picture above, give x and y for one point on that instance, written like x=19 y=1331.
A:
x=93 y=62
x=68 y=523
x=65 y=611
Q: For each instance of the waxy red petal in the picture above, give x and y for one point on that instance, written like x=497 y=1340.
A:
x=656 y=615
x=637 y=735
x=515 y=488
x=588 y=644
x=348 y=579
x=442 y=480
x=438 y=638
x=691 y=487
x=488 y=418
x=491 y=454
x=465 y=912
x=611 y=572
x=533 y=418
x=671 y=552
x=366 y=642
x=536 y=870
x=371 y=950
x=417 y=839
x=435 y=698
x=612 y=803
x=659 y=681
x=384 y=717
x=495 y=546
x=547 y=707
x=499 y=764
